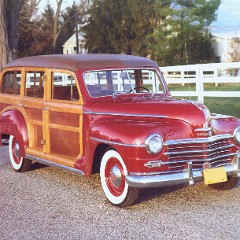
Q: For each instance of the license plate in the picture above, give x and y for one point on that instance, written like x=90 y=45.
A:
x=214 y=175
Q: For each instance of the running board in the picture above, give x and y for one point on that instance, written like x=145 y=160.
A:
x=53 y=164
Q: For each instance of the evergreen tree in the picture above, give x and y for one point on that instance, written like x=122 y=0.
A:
x=182 y=36
x=119 y=26
x=169 y=31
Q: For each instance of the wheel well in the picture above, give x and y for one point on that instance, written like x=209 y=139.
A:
x=4 y=139
x=100 y=150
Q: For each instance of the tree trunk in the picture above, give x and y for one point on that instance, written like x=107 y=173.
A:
x=13 y=9
x=9 y=22
x=55 y=25
x=4 y=47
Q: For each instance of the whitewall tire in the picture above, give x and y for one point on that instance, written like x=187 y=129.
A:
x=112 y=174
x=19 y=163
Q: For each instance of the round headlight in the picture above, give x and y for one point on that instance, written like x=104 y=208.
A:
x=154 y=144
x=236 y=135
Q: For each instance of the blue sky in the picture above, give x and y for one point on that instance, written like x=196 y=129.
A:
x=228 y=16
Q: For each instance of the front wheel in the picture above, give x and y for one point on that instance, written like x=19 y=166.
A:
x=229 y=184
x=18 y=162
x=112 y=174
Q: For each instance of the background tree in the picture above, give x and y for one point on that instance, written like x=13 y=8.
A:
x=71 y=18
x=9 y=22
x=168 y=31
x=119 y=26
x=33 y=35
x=56 y=31
x=181 y=36
x=234 y=50
x=3 y=37
x=47 y=32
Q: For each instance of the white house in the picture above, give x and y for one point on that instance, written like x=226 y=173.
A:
x=225 y=47
x=70 y=46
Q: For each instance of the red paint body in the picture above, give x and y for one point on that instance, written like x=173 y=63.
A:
x=125 y=121
x=13 y=123
x=183 y=117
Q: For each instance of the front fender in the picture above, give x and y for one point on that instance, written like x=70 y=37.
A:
x=128 y=138
x=223 y=124
x=136 y=132
x=12 y=122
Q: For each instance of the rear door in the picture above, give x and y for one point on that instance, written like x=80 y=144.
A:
x=32 y=101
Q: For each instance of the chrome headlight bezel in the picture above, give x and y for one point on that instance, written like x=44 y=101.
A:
x=236 y=135
x=154 y=144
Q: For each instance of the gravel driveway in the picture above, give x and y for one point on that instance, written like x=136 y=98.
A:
x=48 y=203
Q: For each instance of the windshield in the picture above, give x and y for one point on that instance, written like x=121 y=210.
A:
x=123 y=81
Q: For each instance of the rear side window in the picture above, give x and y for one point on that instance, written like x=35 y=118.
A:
x=64 y=87
x=35 y=84
x=12 y=82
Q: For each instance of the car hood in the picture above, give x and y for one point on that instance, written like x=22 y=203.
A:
x=154 y=107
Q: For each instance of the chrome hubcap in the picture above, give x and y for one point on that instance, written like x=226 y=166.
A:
x=116 y=177
x=16 y=150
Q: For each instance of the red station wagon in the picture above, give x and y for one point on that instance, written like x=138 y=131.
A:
x=113 y=114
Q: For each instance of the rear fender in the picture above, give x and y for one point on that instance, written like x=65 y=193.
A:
x=12 y=122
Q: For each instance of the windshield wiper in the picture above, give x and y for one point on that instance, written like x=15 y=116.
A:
x=129 y=80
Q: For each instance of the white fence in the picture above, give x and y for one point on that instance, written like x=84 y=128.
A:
x=199 y=75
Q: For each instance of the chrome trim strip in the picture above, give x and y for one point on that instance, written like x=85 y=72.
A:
x=188 y=176
x=199 y=151
x=203 y=129
x=159 y=163
x=204 y=159
x=125 y=114
x=198 y=140
x=54 y=164
x=117 y=143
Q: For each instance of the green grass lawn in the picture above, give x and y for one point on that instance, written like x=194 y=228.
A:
x=207 y=87
x=228 y=106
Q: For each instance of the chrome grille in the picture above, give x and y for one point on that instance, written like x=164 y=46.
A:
x=216 y=151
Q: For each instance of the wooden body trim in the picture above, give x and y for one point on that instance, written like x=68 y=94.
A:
x=31 y=107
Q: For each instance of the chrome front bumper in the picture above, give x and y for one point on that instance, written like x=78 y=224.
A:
x=187 y=177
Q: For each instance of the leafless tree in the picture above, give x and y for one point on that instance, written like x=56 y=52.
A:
x=56 y=31
x=234 y=51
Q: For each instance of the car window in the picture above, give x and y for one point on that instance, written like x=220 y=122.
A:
x=35 y=84
x=11 y=82
x=64 y=87
x=103 y=83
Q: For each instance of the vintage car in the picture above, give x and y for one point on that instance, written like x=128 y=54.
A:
x=113 y=114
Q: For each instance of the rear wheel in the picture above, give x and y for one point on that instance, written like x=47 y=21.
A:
x=18 y=162
x=229 y=184
x=112 y=173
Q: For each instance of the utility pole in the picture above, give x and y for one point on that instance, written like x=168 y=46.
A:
x=77 y=37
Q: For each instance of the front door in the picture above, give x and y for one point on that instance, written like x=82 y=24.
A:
x=62 y=118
